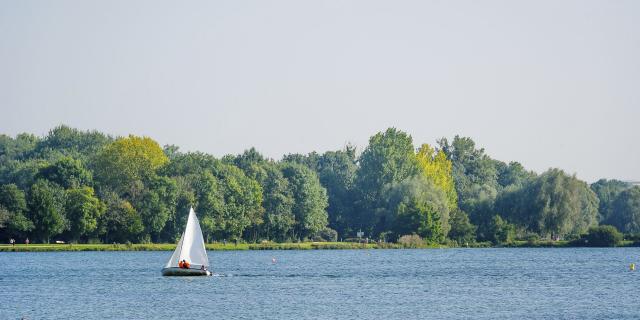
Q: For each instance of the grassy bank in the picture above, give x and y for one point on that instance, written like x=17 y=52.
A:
x=211 y=246
x=268 y=246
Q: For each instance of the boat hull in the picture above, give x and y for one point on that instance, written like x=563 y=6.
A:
x=181 y=272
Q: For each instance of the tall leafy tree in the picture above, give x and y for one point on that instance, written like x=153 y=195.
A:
x=513 y=174
x=475 y=176
x=607 y=192
x=22 y=173
x=242 y=201
x=626 y=211
x=415 y=205
x=183 y=164
x=278 y=204
x=14 y=206
x=251 y=162
x=310 y=200
x=210 y=204
x=83 y=210
x=12 y=198
x=72 y=142
x=337 y=173
x=46 y=207
x=462 y=230
x=120 y=222
x=185 y=199
x=310 y=160
x=500 y=231
x=17 y=148
x=156 y=205
x=66 y=172
x=389 y=158
x=553 y=204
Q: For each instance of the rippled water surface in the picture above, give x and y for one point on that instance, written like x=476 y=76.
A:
x=505 y=283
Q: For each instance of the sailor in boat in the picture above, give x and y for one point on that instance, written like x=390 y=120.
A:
x=184 y=264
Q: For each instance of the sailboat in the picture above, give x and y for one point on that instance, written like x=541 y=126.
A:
x=190 y=249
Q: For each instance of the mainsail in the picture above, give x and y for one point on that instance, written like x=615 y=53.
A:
x=191 y=246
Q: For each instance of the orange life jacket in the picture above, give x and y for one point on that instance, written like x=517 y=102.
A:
x=186 y=265
x=180 y=264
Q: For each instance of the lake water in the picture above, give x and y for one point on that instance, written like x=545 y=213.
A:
x=507 y=283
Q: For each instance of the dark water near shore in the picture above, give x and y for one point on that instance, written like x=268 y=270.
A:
x=517 y=283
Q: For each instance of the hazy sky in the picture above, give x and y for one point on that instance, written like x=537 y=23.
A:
x=546 y=83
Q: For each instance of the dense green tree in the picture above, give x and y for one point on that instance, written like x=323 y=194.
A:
x=553 y=204
x=72 y=142
x=120 y=222
x=228 y=201
x=337 y=173
x=83 y=210
x=601 y=236
x=4 y=218
x=156 y=205
x=247 y=159
x=16 y=148
x=66 y=172
x=46 y=208
x=209 y=204
x=462 y=230
x=513 y=174
x=177 y=220
x=242 y=201
x=12 y=198
x=415 y=205
x=417 y=217
x=389 y=158
x=189 y=163
x=310 y=200
x=278 y=204
x=501 y=231
x=607 y=192
x=626 y=211
x=171 y=151
x=14 y=206
x=21 y=173
x=475 y=176
x=310 y=160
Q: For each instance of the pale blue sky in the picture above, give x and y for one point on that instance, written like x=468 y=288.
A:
x=546 y=83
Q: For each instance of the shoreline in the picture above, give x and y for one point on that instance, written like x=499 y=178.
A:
x=275 y=246
x=210 y=246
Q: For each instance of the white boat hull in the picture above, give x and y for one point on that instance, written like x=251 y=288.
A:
x=185 y=272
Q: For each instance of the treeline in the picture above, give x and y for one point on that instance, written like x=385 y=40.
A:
x=85 y=186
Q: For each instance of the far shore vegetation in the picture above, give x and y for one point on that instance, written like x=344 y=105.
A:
x=416 y=243
x=93 y=191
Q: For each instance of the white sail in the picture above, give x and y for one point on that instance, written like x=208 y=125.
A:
x=191 y=245
x=173 y=262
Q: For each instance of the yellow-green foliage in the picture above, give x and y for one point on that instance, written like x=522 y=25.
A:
x=437 y=168
x=129 y=159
